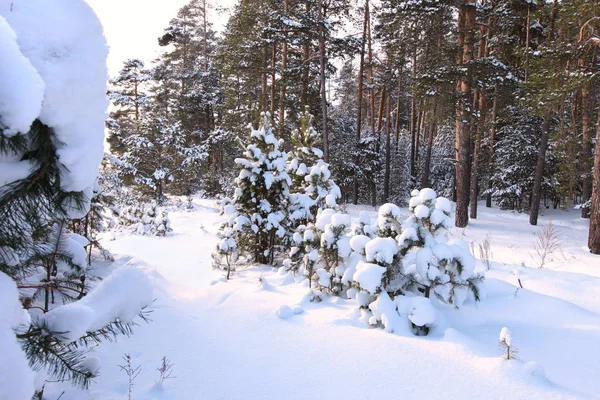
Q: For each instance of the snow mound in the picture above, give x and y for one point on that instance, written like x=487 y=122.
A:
x=285 y=312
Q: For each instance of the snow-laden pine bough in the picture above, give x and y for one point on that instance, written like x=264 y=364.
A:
x=52 y=114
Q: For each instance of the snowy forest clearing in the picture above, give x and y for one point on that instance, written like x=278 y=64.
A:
x=227 y=341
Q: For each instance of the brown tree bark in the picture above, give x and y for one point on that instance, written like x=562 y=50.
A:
x=539 y=173
x=284 y=53
x=488 y=200
x=586 y=153
x=388 y=144
x=430 y=136
x=463 y=133
x=323 y=63
x=359 y=101
x=306 y=62
x=481 y=111
x=594 y=235
x=397 y=125
x=273 y=63
x=413 y=122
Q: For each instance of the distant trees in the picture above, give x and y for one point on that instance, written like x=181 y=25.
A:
x=386 y=92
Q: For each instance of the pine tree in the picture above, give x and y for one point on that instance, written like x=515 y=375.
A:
x=127 y=93
x=261 y=196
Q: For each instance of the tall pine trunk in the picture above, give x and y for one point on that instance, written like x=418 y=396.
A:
x=388 y=144
x=463 y=133
x=284 y=52
x=323 y=62
x=430 y=136
x=594 y=235
x=488 y=200
x=413 y=112
x=359 y=101
x=539 y=172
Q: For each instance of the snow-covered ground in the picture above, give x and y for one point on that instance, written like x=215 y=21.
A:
x=227 y=340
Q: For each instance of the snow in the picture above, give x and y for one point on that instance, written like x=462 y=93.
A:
x=213 y=332
x=381 y=250
x=67 y=60
x=121 y=296
x=21 y=87
x=385 y=311
x=506 y=336
x=369 y=276
x=421 y=311
x=421 y=211
x=16 y=378
x=359 y=242
x=285 y=312
x=340 y=220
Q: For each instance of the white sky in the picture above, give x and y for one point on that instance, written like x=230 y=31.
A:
x=132 y=27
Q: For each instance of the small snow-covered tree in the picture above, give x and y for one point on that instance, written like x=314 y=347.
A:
x=414 y=258
x=335 y=248
x=434 y=264
x=389 y=220
x=310 y=175
x=226 y=253
x=261 y=196
x=506 y=344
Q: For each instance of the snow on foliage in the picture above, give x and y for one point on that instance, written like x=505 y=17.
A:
x=120 y=297
x=16 y=378
x=21 y=87
x=71 y=62
x=259 y=209
x=413 y=257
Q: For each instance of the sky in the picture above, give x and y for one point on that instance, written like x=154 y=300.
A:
x=132 y=27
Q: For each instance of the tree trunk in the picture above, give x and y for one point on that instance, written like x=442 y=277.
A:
x=284 y=52
x=397 y=126
x=273 y=63
x=488 y=200
x=476 y=154
x=586 y=153
x=204 y=42
x=432 y=133
x=388 y=144
x=413 y=112
x=539 y=173
x=594 y=235
x=380 y=114
x=323 y=62
x=306 y=62
x=359 y=101
x=463 y=133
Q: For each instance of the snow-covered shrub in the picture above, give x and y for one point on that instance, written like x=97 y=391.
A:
x=304 y=253
x=506 y=344
x=389 y=220
x=226 y=253
x=364 y=226
x=430 y=260
x=415 y=258
x=146 y=219
x=334 y=248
